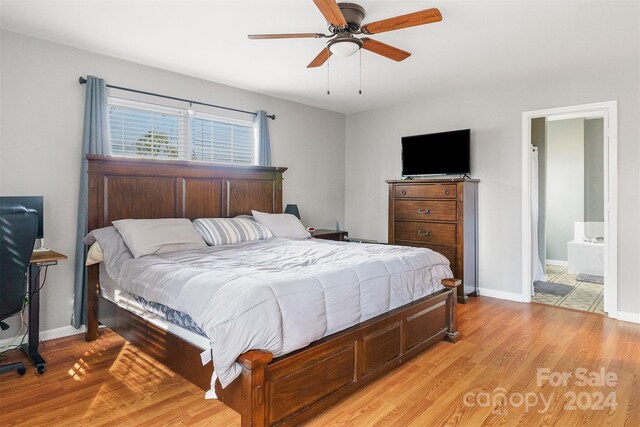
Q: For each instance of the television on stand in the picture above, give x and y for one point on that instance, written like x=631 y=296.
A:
x=433 y=154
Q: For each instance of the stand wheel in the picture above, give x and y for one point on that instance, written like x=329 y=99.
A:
x=41 y=369
x=22 y=370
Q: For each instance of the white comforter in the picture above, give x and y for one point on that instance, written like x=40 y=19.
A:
x=280 y=295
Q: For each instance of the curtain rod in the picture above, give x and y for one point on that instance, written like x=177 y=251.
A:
x=82 y=81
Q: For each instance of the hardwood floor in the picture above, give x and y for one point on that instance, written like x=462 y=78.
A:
x=110 y=382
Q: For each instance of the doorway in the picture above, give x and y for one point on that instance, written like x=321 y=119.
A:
x=569 y=207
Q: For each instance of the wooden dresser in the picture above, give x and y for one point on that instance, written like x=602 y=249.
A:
x=441 y=215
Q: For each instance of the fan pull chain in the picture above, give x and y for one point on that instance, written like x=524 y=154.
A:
x=360 y=82
x=328 y=86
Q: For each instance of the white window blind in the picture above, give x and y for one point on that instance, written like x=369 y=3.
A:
x=146 y=130
x=217 y=141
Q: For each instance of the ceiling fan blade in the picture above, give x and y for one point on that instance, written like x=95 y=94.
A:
x=404 y=21
x=384 y=49
x=320 y=59
x=286 y=36
x=331 y=12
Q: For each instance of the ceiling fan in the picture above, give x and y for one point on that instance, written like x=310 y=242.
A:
x=345 y=20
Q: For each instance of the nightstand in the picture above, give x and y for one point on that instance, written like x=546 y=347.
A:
x=339 y=235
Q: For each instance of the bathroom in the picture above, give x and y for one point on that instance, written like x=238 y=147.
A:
x=569 y=154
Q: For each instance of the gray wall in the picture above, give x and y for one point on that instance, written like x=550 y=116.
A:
x=594 y=170
x=41 y=110
x=494 y=114
x=564 y=184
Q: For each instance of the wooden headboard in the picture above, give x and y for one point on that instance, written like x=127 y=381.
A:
x=122 y=188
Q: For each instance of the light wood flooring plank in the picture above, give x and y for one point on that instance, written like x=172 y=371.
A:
x=110 y=382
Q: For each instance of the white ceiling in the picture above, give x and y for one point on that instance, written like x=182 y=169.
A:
x=477 y=43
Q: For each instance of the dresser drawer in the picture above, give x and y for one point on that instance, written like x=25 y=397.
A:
x=426 y=210
x=439 y=191
x=428 y=232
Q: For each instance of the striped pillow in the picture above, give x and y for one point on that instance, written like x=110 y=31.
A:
x=227 y=231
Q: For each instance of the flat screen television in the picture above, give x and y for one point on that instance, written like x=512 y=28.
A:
x=443 y=153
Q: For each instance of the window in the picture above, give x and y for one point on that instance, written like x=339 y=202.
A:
x=146 y=130
x=216 y=141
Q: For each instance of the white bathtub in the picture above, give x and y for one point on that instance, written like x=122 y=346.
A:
x=586 y=257
x=583 y=256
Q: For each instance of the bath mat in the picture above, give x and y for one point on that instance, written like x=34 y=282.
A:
x=550 y=288
x=590 y=278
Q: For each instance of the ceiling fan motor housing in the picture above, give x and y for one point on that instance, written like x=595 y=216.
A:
x=353 y=14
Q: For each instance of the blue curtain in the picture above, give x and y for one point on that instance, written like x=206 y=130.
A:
x=95 y=140
x=264 y=145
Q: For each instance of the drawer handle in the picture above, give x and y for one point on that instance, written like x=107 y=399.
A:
x=423 y=233
x=447 y=192
x=403 y=192
x=420 y=211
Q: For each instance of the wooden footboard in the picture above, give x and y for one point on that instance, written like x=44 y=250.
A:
x=295 y=387
x=292 y=388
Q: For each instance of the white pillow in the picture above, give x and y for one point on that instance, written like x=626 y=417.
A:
x=227 y=231
x=156 y=236
x=282 y=225
x=95 y=255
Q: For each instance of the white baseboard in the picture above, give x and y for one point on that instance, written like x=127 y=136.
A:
x=511 y=296
x=50 y=334
x=557 y=262
x=65 y=331
x=628 y=317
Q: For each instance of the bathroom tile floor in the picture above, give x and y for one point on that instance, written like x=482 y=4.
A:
x=585 y=296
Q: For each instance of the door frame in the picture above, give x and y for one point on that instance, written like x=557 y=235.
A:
x=609 y=110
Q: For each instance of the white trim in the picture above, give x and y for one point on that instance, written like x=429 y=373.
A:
x=64 y=331
x=146 y=106
x=526 y=211
x=557 y=262
x=611 y=210
x=578 y=115
x=11 y=341
x=608 y=110
x=49 y=334
x=492 y=293
x=628 y=317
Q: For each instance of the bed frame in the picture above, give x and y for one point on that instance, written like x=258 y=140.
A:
x=280 y=391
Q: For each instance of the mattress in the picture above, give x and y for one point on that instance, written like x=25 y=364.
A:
x=159 y=318
x=280 y=295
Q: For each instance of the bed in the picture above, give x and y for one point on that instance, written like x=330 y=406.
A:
x=268 y=390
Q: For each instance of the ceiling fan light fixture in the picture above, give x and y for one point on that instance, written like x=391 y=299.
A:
x=345 y=21
x=344 y=46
